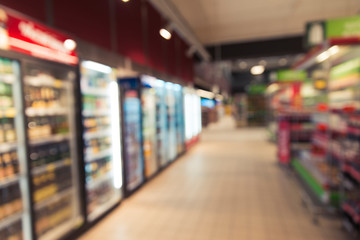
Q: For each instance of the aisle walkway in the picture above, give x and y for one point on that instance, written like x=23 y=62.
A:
x=226 y=187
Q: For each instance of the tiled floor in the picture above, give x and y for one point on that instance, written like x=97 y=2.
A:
x=227 y=187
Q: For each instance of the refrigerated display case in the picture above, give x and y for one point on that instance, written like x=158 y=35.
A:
x=52 y=150
x=148 y=100
x=161 y=122
x=192 y=116
x=208 y=112
x=133 y=142
x=171 y=121
x=14 y=214
x=179 y=113
x=38 y=132
x=101 y=136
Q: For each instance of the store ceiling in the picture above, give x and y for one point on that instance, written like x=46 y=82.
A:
x=224 y=21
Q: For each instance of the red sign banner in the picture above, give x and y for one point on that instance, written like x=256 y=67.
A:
x=26 y=36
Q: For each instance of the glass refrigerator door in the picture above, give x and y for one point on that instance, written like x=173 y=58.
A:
x=133 y=151
x=149 y=130
x=50 y=119
x=102 y=152
x=161 y=122
x=179 y=119
x=171 y=122
x=14 y=212
x=197 y=114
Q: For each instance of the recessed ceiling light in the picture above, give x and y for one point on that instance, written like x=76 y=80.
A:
x=334 y=50
x=165 y=33
x=257 y=70
x=125 y=0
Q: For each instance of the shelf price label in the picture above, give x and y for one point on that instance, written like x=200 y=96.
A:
x=284 y=141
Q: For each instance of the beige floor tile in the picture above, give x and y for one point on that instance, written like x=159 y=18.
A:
x=228 y=186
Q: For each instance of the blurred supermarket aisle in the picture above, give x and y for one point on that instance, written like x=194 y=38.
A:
x=227 y=187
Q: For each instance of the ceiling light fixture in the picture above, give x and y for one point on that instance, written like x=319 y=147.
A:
x=257 y=70
x=322 y=56
x=334 y=50
x=125 y=1
x=165 y=32
x=328 y=53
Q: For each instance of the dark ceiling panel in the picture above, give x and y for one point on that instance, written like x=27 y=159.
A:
x=273 y=47
x=87 y=19
x=157 y=44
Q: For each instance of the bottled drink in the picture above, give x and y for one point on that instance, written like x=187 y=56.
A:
x=8 y=127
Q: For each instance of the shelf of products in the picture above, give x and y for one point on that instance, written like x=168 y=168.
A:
x=101 y=130
x=48 y=94
x=294 y=135
x=179 y=119
x=161 y=122
x=148 y=100
x=97 y=148
x=333 y=163
x=171 y=121
x=11 y=228
x=49 y=217
x=11 y=174
x=256 y=110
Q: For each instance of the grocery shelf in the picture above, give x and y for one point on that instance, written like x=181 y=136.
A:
x=103 y=208
x=50 y=139
x=53 y=198
x=95 y=92
x=8 y=113
x=6 y=147
x=50 y=166
x=351 y=211
x=307 y=175
x=10 y=220
x=354 y=173
x=348 y=185
x=320 y=141
x=59 y=231
x=102 y=154
x=95 y=112
x=300 y=146
x=7 y=78
x=98 y=134
x=96 y=182
x=44 y=81
x=9 y=180
x=36 y=112
x=347 y=225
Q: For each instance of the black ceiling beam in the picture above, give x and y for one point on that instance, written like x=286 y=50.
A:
x=255 y=49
